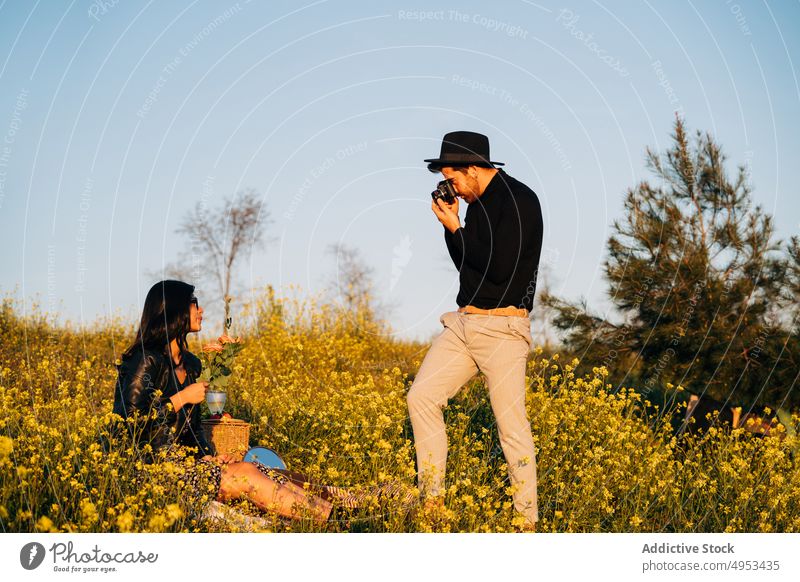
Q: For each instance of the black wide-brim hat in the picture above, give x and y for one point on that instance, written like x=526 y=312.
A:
x=463 y=148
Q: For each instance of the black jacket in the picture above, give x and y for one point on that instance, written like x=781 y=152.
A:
x=144 y=386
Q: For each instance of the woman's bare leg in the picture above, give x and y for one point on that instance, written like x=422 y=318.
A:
x=245 y=480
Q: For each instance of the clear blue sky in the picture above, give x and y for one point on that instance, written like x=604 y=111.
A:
x=116 y=118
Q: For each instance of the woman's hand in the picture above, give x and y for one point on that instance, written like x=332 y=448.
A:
x=223 y=459
x=192 y=394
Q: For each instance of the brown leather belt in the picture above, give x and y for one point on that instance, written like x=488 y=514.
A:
x=508 y=311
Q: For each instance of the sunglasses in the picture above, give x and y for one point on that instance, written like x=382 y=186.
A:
x=194 y=302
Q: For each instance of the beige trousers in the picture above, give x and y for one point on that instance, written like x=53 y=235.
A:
x=497 y=346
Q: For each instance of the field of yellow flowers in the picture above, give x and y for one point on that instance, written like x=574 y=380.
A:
x=326 y=388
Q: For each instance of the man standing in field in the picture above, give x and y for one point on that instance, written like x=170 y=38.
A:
x=496 y=252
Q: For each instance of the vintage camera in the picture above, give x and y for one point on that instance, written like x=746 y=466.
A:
x=444 y=192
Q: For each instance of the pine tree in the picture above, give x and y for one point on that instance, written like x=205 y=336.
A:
x=699 y=281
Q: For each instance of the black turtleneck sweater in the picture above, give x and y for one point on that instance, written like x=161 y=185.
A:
x=497 y=250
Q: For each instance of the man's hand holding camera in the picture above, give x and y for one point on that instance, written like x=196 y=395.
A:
x=447 y=213
x=445 y=205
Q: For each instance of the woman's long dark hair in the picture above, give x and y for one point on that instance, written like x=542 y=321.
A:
x=166 y=316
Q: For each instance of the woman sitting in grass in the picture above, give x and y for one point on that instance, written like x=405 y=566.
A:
x=158 y=389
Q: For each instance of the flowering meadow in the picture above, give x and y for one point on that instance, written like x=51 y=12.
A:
x=326 y=387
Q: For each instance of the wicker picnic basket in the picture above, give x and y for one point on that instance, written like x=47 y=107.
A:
x=228 y=436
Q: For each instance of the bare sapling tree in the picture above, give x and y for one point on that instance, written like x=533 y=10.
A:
x=221 y=237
